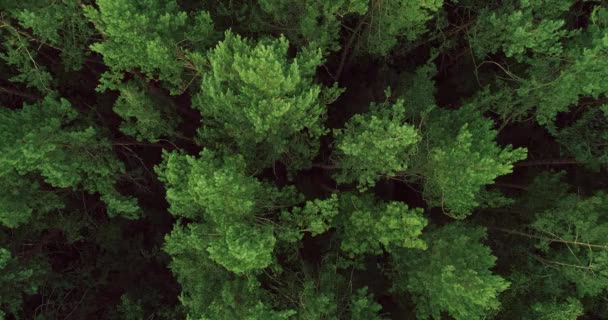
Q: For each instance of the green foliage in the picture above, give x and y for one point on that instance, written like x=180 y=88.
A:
x=363 y=307
x=129 y=309
x=22 y=197
x=28 y=26
x=256 y=101
x=219 y=192
x=18 y=53
x=145 y=117
x=462 y=157
x=208 y=290
x=147 y=36
x=59 y=24
x=556 y=66
x=522 y=27
x=419 y=91
x=452 y=275
x=312 y=22
x=570 y=309
x=369 y=226
x=274 y=196
x=587 y=138
x=62 y=151
x=374 y=145
x=317 y=216
x=394 y=21
x=16 y=278
x=573 y=240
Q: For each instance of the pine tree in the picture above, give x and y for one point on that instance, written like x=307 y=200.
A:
x=230 y=205
x=462 y=156
x=452 y=275
x=145 y=116
x=257 y=102
x=28 y=26
x=62 y=151
x=391 y=22
x=382 y=131
x=312 y=22
x=147 y=36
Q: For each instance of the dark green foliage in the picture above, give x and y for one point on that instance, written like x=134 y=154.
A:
x=312 y=22
x=27 y=26
x=145 y=116
x=63 y=151
x=394 y=21
x=574 y=241
x=303 y=159
x=16 y=278
x=587 y=138
x=462 y=157
x=555 y=66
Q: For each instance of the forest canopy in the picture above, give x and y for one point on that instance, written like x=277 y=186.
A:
x=303 y=159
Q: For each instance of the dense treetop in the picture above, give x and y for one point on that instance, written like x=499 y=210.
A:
x=303 y=159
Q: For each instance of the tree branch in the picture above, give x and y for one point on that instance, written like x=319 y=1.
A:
x=547 y=162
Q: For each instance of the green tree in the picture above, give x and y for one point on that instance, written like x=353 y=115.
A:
x=257 y=102
x=209 y=291
x=462 y=156
x=586 y=139
x=232 y=207
x=555 y=64
x=391 y=22
x=578 y=227
x=145 y=116
x=66 y=153
x=147 y=36
x=452 y=275
x=313 y=22
x=28 y=26
x=17 y=278
x=375 y=145
x=369 y=225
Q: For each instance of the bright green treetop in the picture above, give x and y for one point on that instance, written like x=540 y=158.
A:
x=374 y=145
x=230 y=204
x=209 y=291
x=258 y=102
x=369 y=226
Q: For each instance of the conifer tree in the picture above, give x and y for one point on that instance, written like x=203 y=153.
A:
x=146 y=36
x=64 y=152
x=382 y=131
x=303 y=159
x=257 y=102
x=452 y=275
